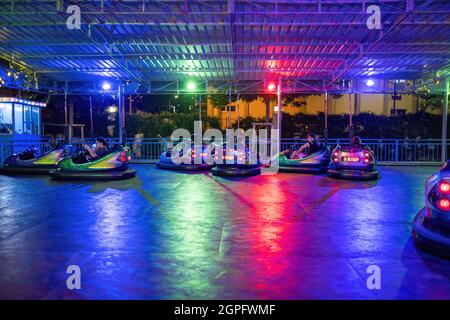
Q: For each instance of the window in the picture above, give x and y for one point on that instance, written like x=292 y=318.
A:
x=18 y=118
x=27 y=119
x=5 y=118
x=35 y=120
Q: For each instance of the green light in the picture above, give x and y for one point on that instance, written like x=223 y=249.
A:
x=191 y=85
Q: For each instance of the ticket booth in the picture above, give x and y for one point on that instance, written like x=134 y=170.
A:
x=20 y=118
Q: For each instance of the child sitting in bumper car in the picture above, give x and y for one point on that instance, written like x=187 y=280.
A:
x=310 y=147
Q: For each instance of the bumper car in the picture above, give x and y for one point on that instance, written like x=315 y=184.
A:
x=112 y=166
x=205 y=163
x=353 y=164
x=431 y=226
x=30 y=161
x=236 y=163
x=314 y=163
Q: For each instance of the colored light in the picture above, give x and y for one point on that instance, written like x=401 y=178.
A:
x=271 y=86
x=191 y=85
x=366 y=160
x=370 y=83
x=444 y=204
x=444 y=187
x=106 y=86
x=112 y=109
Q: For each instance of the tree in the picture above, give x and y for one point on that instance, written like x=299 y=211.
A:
x=220 y=100
x=296 y=100
x=430 y=102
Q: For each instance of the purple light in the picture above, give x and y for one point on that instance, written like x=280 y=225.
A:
x=106 y=86
x=370 y=83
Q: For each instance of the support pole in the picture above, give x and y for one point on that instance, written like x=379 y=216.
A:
x=131 y=104
x=280 y=112
x=200 y=107
x=91 y=116
x=350 y=112
x=444 y=122
x=119 y=97
x=123 y=110
x=229 y=109
x=66 y=129
x=237 y=111
x=325 y=110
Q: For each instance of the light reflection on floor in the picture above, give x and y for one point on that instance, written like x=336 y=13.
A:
x=167 y=235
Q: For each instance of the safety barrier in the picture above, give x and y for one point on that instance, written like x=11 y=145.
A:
x=393 y=151
x=9 y=146
x=147 y=150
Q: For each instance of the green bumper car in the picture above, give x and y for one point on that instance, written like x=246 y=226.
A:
x=112 y=166
x=315 y=163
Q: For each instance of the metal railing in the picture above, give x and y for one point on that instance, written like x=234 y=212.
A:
x=392 y=151
x=9 y=146
x=147 y=150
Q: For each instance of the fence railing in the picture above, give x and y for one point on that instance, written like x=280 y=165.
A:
x=9 y=146
x=145 y=150
x=392 y=150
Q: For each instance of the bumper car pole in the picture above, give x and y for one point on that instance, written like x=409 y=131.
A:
x=350 y=112
x=444 y=122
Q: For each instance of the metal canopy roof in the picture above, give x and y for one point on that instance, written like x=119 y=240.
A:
x=313 y=45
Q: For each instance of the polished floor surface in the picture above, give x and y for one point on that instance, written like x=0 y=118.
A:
x=168 y=235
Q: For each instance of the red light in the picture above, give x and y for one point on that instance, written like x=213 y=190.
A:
x=443 y=204
x=366 y=160
x=444 y=187
x=366 y=154
x=335 y=159
x=271 y=86
x=336 y=153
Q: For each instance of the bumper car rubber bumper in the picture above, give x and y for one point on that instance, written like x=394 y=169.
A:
x=354 y=174
x=428 y=239
x=92 y=175
x=230 y=171
x=11 y=170
x=183 y=167
x=304 y=168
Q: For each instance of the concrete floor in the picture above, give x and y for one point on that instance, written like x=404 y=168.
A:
x=167 y=235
